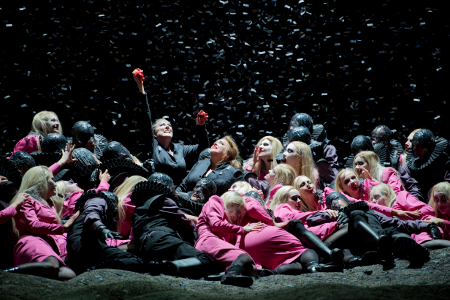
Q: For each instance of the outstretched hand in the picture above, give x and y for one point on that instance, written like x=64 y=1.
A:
x=440 y=222
x=405 y=214
x=256 y=153
x=67 y=155
x=253 y=227
x=108 y=234
x=104 y=176
x=3 y=179
x=365 y=174
x=201 y=117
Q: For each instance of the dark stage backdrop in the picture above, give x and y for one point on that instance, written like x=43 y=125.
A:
x=250 y=64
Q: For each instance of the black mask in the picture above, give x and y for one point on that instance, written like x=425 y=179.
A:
x=23 y=161
x=115 y=150
x=319 y=133
x=85 y=156
x=381 y=134
x=361 y=143
x=300 y=134
x=423 y=140
x=83 y=135
x=204 y=189
x=54 y=142
x=301 y=119
x=333 y=198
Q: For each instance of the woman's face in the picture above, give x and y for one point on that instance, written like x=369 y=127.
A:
x=270 y=177
x=72 y=187
x=265 y=149
x=163 y=129
x=235 y=213
x=379 y=198
x=305 y=187
x=51 y=187
x=350 y=184
x=359 y=164
x=52 y=125
x=408 y=143
x=294 y=199
x=235 y=187
x=442 y=202
x=290 y=156
x=220 y=148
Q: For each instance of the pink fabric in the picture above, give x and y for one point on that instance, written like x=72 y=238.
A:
x=128 y=206
x=55 y=168
x=69 y=204
x=215 y=233
x=271 y=246
x=367 y=186
x=273 y=191
x=390 y=177
x=37 y=224
x=284 y=213
x=7 y=214
x=117 y=243
x=324 y=231
x=407 y=202
x=28 y=144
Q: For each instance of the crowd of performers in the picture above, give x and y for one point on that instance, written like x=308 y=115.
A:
x=78 y=203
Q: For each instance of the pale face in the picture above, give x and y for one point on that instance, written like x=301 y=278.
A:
x=408 y=143
x=270 y=177
x=265 y=149
x=235 y=187
x=51 y=186
x=359 y=164
x=294 y=199
x=290 y=156
x=379 y=198
x=72 y=187
x=220 y=148
x=305 y=187
x=443 y=203
x=52 y=125
x=235 y=213
x=163 y=129
x=350 y=184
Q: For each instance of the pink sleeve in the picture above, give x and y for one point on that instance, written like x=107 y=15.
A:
x=28 y=144
x=55 y=168
x=30 y=222
x=367 y=186
x=387 y=211
x=257 y=212
x=248 y=167
x=447 y=226
x=69 y=204
x=390 y=177
x=285 y=213
x=214 y=212
x=103 y=186
x=408 y=202
x=7 y=214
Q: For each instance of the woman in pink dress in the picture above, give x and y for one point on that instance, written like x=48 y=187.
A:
x=368 y=166
x=440 y=202
x=42 y=243
x=218 y=233
x=279 y=176
x=299 y=156
x=9 y=212
x=44 y=122
x=264 y=156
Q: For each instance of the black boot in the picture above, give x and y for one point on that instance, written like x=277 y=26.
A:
x=367 y=259
x=188 y=267
x=233 y=276
x=310 y=240
x=382 y=243
x=406 y=247
x=312 y=267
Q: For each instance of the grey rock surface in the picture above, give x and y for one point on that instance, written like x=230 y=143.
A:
x=371 y=282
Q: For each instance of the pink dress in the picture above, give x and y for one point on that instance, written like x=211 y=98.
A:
x=271 y=246
x=28 y=144
x=40 y=234
x=6 y=214
x=215 y=233
x=126 y=229
x=273 y=191
x=69 y=204
x=390 y=177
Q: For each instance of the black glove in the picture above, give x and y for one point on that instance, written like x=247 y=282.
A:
x=65 y=219
x=434 y=231
x=359 y=205
x=342 y=217
x=107 y=234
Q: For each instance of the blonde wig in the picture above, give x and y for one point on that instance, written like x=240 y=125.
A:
x=245 y=187
x=236 y=201
x=281 y=196
x=442 y=187
x=38 y=125
x=387 y=190
x=276 y=148
x=284 y=174
x=306 y=165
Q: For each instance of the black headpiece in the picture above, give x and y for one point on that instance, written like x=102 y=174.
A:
x=205 y=188
x=333 y=198
x=361 y=143
x=115 y=150
x=23 y=159
x=10 y=171
x=300 y=134
x=436 y=154
x=111 y=200
x=85 y=156
x=302 y=119
x=45 y=158
x=54 y=142
x=205 y=154
x=100 y=143
x=319 y=133
x=426 y=139
x=82 y=132
x=381 y=134
x=157 y=184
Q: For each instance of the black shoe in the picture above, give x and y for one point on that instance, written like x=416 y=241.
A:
x=233 y=276
x=337 y=256
x=418 y=257
x=312 y=267
x=367 y=259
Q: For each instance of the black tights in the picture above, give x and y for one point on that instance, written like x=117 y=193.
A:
x=246 y=262
x=339 y=238
x=299 y=265
x=436 y=244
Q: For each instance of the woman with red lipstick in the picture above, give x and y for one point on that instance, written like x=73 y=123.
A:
x=44 y=122
x=224 y=167
x=440 y=202
x=169 y=158
x=264 y=156
x=278 y=177
x=408 y=146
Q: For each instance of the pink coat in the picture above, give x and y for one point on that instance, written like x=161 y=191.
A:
x=271 y=246
x=28 y=144
x=69 y=204
x=7 y=214
x=40 y=233
x=127 y=230
x=390 y=177
x=273 y=191
x=215 y=233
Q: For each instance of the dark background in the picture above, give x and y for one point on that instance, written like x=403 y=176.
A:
x=251 y=65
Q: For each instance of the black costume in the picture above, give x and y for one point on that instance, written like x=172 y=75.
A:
x=387 y=149
x=360 y=143
x=184 y=156
x=86 y=246
x=83 y=132
x=23 y=161
x=52 y=145
x=223 y=176
x=204 y=189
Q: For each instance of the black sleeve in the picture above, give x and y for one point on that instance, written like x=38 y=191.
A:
x=145 y=123
x=191 y=152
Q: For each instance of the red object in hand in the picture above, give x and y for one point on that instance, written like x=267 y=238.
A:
x=139 y=74
x=201 y=117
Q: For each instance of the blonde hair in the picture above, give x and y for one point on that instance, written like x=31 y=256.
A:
x=276 y=148
x=444 y=188
x=122 y=191
x=338 y=185
x=304 y=206
x=58 y=199
x=35 y=183
x=234 y=200
x=38 y=125
x=387 y=190
x=233 y=150
x=284 y=174
x=306 y=166
x=281 y=196
x=246 y=187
